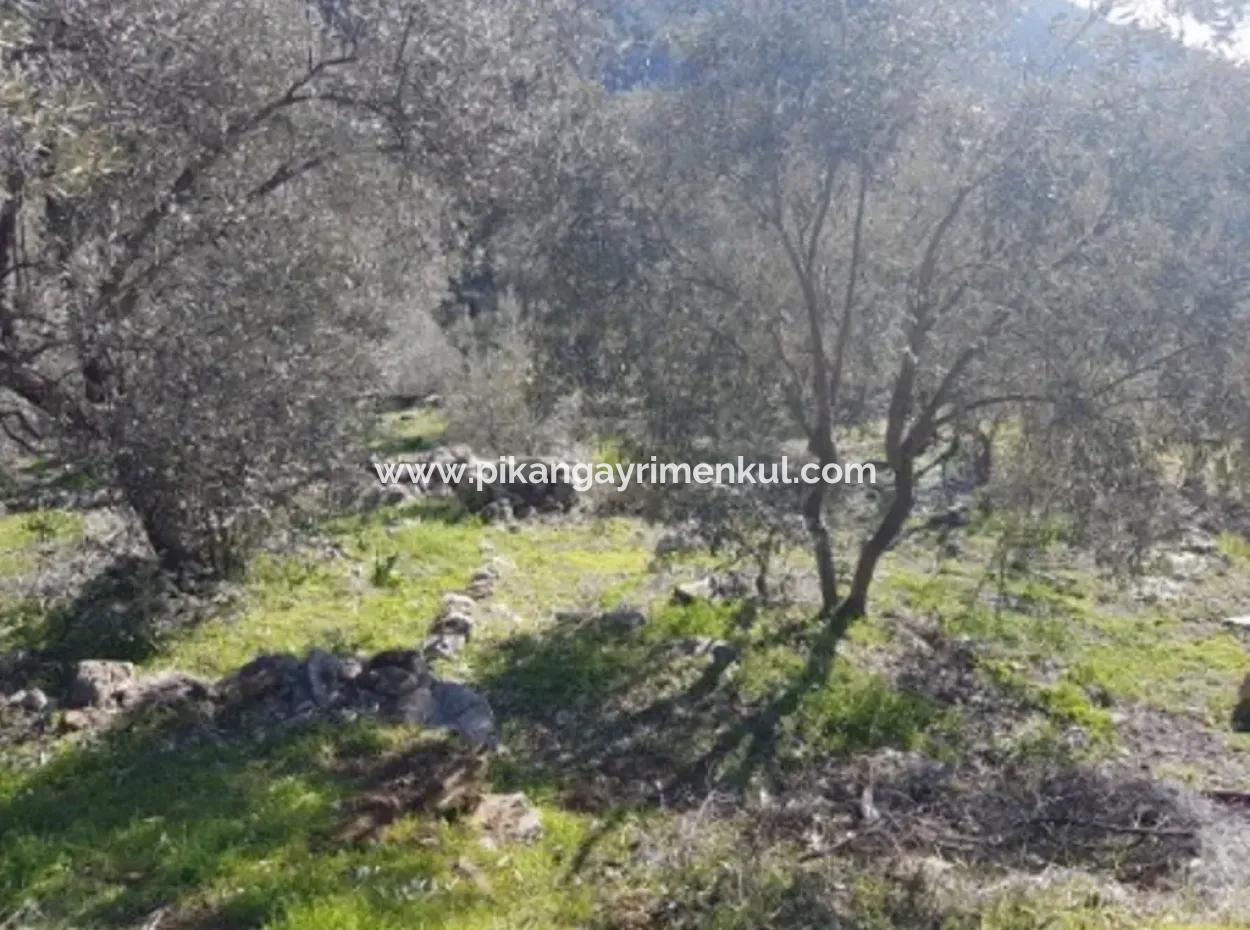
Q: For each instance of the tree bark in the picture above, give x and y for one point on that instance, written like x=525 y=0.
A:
x=822 y=547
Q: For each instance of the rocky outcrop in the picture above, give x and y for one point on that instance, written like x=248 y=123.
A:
x=395 y=685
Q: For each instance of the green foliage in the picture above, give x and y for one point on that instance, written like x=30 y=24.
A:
x=1235 y=546
x=857 y=711
x=241 y=834
x=701 y=618
x=24 y=535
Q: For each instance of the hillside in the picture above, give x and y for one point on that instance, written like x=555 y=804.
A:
x=998 y=746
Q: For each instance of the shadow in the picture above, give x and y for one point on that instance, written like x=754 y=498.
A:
x=148 y=817
x=52 y=484
x=119 y=613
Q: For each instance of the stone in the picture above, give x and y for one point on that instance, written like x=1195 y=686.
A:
x=407 y=659
x=32 y=699
x=412 y=707
x=74 y=721
x=1185 y=566
x=458 y=624
x=624 y=619
x=720 y=651
x=102 y=683
x=457 y=604
x=691 y=591
x=1200 y=542
x=507 y=818
x=498 y=511
x=391 y=680
x=458 y=707
x=481 y=590
x=263 y=676
x=326 y=677
x=444 y=646
x=1154 y=589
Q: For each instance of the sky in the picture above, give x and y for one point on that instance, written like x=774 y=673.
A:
x=1154 y=13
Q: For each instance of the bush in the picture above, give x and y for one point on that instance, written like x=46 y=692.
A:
x=491 y=402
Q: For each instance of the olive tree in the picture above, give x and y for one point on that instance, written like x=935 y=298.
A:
x=210 y=208
x=869 y=218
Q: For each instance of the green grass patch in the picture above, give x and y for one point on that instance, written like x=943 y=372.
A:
x=243 y=835
x=407 y=431
x=1235 y=546
x=857 y=711
x=24 y=537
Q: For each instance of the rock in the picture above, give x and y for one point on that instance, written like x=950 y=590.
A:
x=326 y=676
x=1241 y=623
x=1153 y=589
x=623 y=619
x=720 y=651
x=458 y=624
x=1200 y=542
x=32 y=699
x=102 y=683
x=407 y=659
x=1185 y=566
x=413 y=707
x=507 y=818
x=185 y=698
x=498 y=511
x=691 y=591
x=481 y=589
x=732 y=586
x=460 y=708
x=74 y=721
x=457 y=604
x=444 y=646
x=263 y=676
x=392 y=681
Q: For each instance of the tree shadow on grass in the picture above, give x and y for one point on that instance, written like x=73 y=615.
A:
x=121 y=612
x=603 y=717
x=107 y=833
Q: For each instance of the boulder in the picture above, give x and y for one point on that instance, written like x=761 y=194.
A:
x=102 y=683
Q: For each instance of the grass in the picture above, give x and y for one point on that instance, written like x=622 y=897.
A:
x=237 y=833
x=102 y=837
x=26 y=537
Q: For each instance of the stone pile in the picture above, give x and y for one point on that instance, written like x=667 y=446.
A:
x=395 y=685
